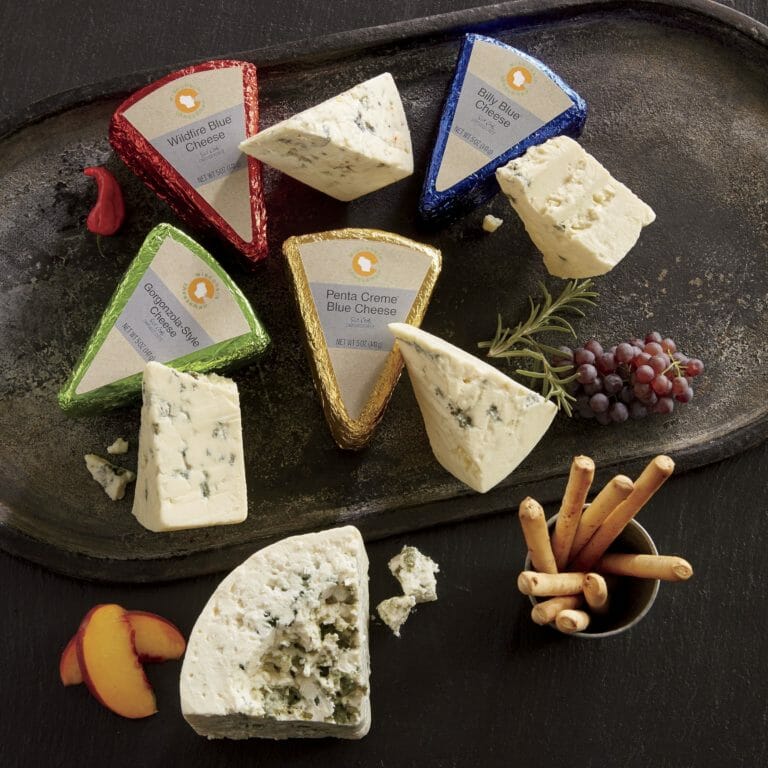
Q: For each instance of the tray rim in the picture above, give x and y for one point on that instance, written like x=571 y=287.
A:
x=306 y=52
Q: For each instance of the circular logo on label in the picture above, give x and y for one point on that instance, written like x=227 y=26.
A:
x=519 y=78
x=187 y=100
x=364 y=263
x=200 y=291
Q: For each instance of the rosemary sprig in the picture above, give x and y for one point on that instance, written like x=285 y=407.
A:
x=546 y=316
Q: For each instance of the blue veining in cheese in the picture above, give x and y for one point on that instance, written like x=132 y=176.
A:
x=501 y=102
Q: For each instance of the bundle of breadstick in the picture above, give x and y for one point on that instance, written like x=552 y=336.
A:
x=569 y=568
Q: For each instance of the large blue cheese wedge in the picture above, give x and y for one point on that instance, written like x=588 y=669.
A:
x=191 y=469
x=349 y=285
x=350 y=145
x=501 y=102
x=176 y=305
x=481 y=424
x=281 y=648
x=581 y=219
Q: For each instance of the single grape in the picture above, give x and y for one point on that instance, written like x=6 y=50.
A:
x=606 y=363
x=572 y=387
x=618 y=412
x=679 y=357
x=685 y=396
x=582 y=405
x=637 y=410
x=641 y=390
x=650 y=399
x=612 y=384
x=583 y=356
x=661 y=385
x=694 y=367
x=593 y=387
x=627 y=395
x=595 y=347
x=624 y=352
x=653 y=348
x=645 y=374
x=639 y=343
x=564 y=356
x=653 y=336
x=599 y=403
x=641 y=358
x=603 y=418
x=679 y=385
x=586 y=373
x=665 y=405
x=659 y=363
x=669 y=346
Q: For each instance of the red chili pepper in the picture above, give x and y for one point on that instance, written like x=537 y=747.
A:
x=107 y=215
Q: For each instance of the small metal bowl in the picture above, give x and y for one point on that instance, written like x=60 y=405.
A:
x=630 y=598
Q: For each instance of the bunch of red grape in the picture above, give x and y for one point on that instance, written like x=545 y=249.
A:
x=631 y=379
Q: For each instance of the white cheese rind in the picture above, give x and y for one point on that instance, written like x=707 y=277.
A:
x=481 y=424
x=111 y=478
x=191 y=469
x=394 y=611
x=281 y=648
x=350 y=145
x=581 y=219
x=416 y=573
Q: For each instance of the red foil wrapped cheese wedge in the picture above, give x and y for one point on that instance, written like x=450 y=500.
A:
x=180 y=136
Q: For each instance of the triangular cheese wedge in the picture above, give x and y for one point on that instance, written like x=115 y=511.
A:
x=181 y=134
x=501 y=102
x=281 y=648
x=481 y=424
x=349 y=285
x=175 y=305
x=348 y=146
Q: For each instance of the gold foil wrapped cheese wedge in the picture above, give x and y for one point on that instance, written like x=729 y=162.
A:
x=349 y=285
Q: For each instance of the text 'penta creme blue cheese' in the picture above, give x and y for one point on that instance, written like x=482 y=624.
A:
x=350 y=145
x=581 y=219
x=481 y=424
x=281 y=648
x=191 y=468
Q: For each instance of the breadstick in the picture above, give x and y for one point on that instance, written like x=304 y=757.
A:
x=650 y=480
x=536 y=535
x=570 y=621
x=614 y=492
x=549 y=584
x=546 y=611
x=579 y=480
x=665 y=567
x=596 y=592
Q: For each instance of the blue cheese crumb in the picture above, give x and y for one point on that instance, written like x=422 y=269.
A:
x=394 y=611
x=119 y=446
x=111 y=478
x=416 y=574
x=491 y=223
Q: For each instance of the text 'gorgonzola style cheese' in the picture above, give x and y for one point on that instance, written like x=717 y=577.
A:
x=581 y=219
x=481 y=424
x=281 y=648
x=348 y=146
x=191 y=468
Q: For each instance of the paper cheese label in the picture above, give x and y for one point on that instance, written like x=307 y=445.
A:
x=501 y=102
x=175 y=305
x=350 y=284
x=196 y=123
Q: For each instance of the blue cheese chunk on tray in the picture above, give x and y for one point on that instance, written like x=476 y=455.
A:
x=481 y=424
x=109 y=476
x=501 y=102
x=281 y=648
x=394 y=611
x=191 y=467
x=416 y=574
x=350 y=145
x=581 y=219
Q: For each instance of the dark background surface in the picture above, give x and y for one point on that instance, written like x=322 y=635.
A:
x=472 y=681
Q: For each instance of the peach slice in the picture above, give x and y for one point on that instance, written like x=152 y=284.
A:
x=110 y=665
x=155 y=639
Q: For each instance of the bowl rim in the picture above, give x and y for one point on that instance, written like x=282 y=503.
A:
x=640 y=615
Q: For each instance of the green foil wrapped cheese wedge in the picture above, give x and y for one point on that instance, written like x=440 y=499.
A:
x=176 y=305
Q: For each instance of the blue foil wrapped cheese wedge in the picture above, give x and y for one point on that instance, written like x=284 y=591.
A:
x=501 y=102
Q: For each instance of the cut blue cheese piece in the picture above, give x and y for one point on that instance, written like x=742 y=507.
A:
x=394 y=611
x=191 y=467
x=109 y=476
x=481 y=424
x=176 y=305
x=416 y=573
x=581 y=219
x=281 y=648
x=350 y=145
x=501 y=102
x=349 y=284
